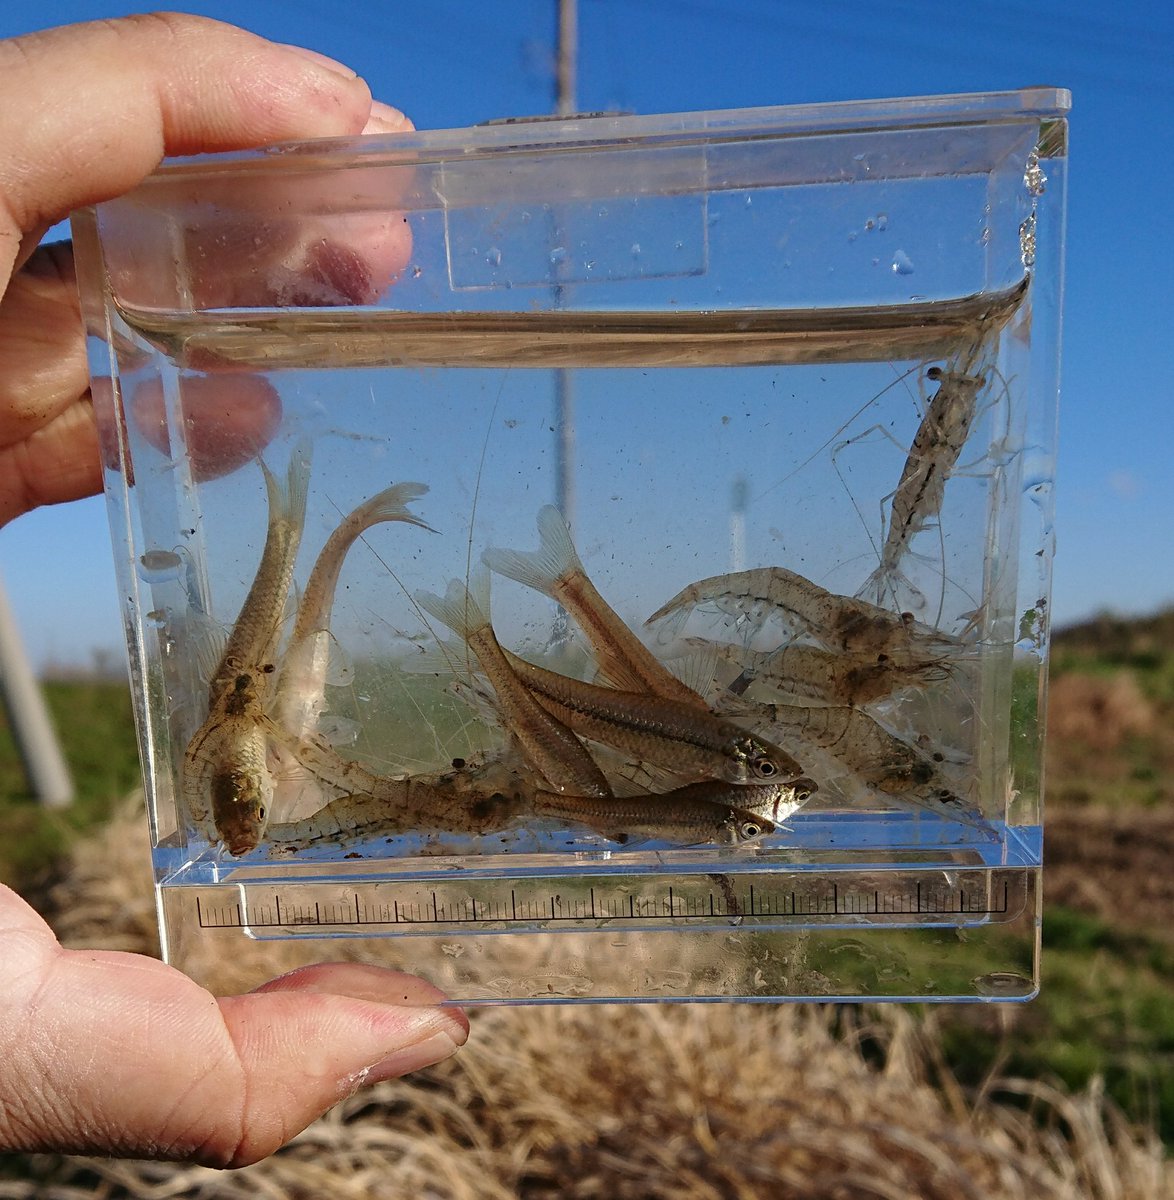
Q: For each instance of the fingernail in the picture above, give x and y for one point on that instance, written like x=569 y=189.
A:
x=385 y=119
x=320 y=59
x=425 y=1053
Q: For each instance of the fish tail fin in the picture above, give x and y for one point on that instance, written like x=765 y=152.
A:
x=539 y=569
x=391 y=504
x=288 y=497
x=457 y=609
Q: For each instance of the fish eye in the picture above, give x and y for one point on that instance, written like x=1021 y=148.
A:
x=750 y=829
x=764 y=768
x=261 y=813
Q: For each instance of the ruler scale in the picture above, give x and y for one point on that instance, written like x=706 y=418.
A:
x=366 y=908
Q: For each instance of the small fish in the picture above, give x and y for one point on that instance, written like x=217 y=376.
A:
x=667 y=733
x=253 y=642
x=227 y=786
x=685 y=819
x=840 y=623
x=226 y=780
x=556 y=570
x=312 y=654
x=547 y=742
x=466 y=800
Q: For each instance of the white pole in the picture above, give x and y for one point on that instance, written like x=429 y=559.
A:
x=28 y=717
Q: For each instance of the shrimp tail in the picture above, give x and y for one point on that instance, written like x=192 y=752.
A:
x=539 y=569
x=888 y=586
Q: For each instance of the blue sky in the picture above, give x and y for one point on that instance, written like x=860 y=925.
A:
x=452 y=63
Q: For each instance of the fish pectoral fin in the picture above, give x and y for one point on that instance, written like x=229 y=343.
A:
x=208 y=641
x=615 y=673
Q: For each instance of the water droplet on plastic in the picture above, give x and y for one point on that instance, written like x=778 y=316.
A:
x=749 y=200
x=558 y=254
x=869 y=225
x=1027 y=241
x=902 y=263
x=157 y=617
x=882 y=221
x=636 y=251
x=1004 y=983
x=1033 y=177
x=159 y=566
x=493 y=256
x=417 y=272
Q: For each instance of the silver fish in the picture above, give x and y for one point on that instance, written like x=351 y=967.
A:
x=556 y=570
x=688 y=741
x=547 y=742
x=686 y=819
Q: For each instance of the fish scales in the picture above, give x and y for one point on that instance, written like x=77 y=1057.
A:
x=556 y=570
x=687 y=820
x=658 y=730
x=549 y=744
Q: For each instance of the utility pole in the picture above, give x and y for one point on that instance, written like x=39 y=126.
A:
x=565 y=104
x=28 y=717
x=564 y=398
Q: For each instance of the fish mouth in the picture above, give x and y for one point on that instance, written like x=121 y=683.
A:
x=239 y=846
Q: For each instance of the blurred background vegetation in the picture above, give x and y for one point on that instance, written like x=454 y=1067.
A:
x=1106 y=1011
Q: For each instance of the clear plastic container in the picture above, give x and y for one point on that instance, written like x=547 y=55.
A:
x=630 y=530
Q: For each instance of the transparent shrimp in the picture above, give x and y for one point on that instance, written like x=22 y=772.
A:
x=811 y=673
x=915 y=504
x=839 y=623
x=881 y=760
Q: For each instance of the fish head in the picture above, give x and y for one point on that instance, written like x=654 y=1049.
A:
x=780 y=800
x=762 y=762
x=241 y=799
x=741 y=827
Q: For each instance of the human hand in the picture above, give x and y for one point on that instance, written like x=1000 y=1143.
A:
x=111 y=1052
x=87 y=112
x=114 y=1053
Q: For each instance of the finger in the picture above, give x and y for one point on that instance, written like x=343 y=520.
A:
x=228 y=419
x=117 y=1053
x=87 y=111
x=48 y=444
x=302 y=1051
x=361 y=981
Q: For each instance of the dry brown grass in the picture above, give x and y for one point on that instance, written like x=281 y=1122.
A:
x=1099 y=711
x=691 y=1102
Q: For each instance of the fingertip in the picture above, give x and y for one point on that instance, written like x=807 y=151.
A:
x=386 y=119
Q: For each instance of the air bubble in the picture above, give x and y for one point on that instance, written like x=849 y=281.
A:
x=902 y=263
